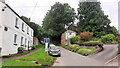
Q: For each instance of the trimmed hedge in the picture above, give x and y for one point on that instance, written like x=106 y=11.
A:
x=93 y=43
x=82 y=51
x=86 y=51
x=108 y=38
x=74 y=40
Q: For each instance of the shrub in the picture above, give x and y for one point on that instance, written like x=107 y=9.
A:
x=117 y=38
x=93 y=43
x=108 y=38
x=85 y=51
x=74 y=40
x=86 y=36
x=33 y=47
x=20 y=49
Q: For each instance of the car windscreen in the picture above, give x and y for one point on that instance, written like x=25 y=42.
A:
x=54 y=48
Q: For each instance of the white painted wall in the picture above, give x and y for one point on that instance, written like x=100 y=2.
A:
x=8 y=20
x=1 y=28
x=69 y=34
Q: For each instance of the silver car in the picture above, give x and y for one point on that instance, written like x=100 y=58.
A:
x=54 y=50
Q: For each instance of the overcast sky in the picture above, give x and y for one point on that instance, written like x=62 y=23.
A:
x=27 y=8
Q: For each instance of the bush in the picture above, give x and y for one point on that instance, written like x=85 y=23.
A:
x=20 y=49
x=117 y=38
x=86 y=52
x=33 y=47
x=108 y=38
x=86 y=36
x=74 y=40
x=93 y=43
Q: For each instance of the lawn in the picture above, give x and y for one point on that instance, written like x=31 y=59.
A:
x=41 y=57
x=20 y=64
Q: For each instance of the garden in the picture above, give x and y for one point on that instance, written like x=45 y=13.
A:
x=35 y=60
x=85 y=44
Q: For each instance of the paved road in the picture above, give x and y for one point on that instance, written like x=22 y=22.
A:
x=109 y=52
x=69 y=58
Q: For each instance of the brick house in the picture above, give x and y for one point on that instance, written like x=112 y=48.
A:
x=66 y=35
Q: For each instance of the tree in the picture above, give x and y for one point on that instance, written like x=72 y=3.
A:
x=92 y=18
x=56 y=18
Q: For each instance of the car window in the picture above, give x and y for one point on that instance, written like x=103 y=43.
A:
x=53 y=47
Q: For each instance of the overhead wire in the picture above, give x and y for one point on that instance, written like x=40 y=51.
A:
x=34 y=8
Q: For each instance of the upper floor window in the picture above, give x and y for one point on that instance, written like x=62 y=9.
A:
x=23 y=27
x=27 y=30
x=31 y=32
x=15 y=39
x=16 y=23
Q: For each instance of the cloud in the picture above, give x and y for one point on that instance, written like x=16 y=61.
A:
x=26 y=8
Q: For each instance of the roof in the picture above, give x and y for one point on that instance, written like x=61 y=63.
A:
x=16 y=14
x=70 y=31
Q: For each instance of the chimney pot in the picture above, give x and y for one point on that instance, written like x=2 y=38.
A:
x=3 y=1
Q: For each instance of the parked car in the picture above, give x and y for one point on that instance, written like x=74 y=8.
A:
x=54 y=50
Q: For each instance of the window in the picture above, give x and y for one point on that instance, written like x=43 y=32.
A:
x=15 y=39
x=31 y=33
x=21 y=41
x=23 y=27
x=25 y=42
x=6 y=28
x=16 y=23
x=27 y=30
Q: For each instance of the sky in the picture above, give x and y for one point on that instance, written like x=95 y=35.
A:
x=27 y=8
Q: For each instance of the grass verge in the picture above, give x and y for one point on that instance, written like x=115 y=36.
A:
x=40 y=57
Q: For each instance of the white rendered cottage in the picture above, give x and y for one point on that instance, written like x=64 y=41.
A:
x=14 y=32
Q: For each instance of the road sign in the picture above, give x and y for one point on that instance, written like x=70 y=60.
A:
x=46 y=40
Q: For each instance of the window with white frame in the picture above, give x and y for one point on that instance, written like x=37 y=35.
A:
x=21 y=41
x=27 y=30
x=15 y=39
x=16 y=23
x=23 y=27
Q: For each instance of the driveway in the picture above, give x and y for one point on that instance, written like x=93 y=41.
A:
x=69 y=58
x=109 y=52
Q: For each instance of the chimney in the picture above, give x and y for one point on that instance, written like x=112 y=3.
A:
x=3 y=1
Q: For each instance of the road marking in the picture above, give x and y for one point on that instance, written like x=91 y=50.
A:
x=111 y=60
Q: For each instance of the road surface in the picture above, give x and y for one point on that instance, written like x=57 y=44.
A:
x=109 y=52
x=69 y=58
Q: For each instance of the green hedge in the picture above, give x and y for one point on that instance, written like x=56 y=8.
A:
x=86 y=51
x=93 y=43
x=108 y=38
x=74 y=40
x=82 y=51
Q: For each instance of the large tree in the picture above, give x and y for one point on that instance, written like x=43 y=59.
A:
x=56 y=18
x=92 y=18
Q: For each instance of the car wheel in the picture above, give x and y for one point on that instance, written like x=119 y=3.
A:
x=60 y=55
